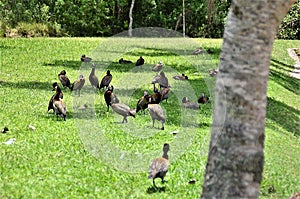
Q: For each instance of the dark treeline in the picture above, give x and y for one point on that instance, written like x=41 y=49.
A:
x=204 y=18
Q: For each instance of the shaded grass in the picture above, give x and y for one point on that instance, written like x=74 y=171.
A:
x=57 y=160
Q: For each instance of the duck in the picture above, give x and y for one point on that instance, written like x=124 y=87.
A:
x=59 y=106
x=159 y=167
x=123 y=61
x=78 y=84
x=213 y=72
x=65 y=81
x=157 y=113
x=106 y=80
x=140 y=61
x=295 y=196
x=4 y=130
x=157 y=67
x=123 y=110
x=190 y=105
x=209 y=51
x=85 y=58
x=165 y=93
x=143 y=102
x=181 y=77
x=203 y=99
x=156 y=97
x=61 y=96
x=93 y=78
x=198 y=51
x=161 y=79
x=110 y=97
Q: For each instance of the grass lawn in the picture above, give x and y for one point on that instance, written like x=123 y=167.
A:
x=92 y=154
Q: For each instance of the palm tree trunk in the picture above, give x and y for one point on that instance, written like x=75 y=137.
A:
x=130 y=19
x=235 y=160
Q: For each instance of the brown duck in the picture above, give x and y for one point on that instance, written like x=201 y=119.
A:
x=64 y=79
x=93 y=78
x=59 y=106
x=106 y=80
x=78 y=84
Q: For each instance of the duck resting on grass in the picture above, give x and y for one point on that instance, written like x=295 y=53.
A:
x=140 y=61
x=85 y=58
x=159 y=167
x=123 y=61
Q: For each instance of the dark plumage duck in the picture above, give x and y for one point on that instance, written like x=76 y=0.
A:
x=188 y=104
x=4 y=130
x=157 y=67
x=106 y=80
x=161 y=79
x=140 y=61
x=203 y=99
x=124 y=110
x=93 y=78
x=61 y=95
x=209 y=51
x=157 y=113
x=181 y=77
x=143 y=102
x=159 y=167
x=156 y=97
x=198 y=51
x=85 y=58
x=123 y=61
x=165 y=93
x=64 y=79
x=110 y=97
x=58 y=105
x=78 y=84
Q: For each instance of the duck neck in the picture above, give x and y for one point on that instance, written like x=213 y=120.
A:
x=165 y=155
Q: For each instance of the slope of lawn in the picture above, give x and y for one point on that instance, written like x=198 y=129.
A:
x=92 y=154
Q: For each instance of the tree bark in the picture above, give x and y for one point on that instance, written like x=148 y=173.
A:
x=235 y=160
x=130 y=19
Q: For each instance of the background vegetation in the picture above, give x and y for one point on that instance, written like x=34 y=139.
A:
x=54 y=162
x=29 y=18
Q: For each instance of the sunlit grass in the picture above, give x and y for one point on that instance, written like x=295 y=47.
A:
x=82 y=157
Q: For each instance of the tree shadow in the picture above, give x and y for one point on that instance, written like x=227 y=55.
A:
x=28 y=85
x=285 y=116
x=281 y=65
x=64 y=63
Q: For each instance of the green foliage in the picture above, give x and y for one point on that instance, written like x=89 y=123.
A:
x=290 y=26
x=53 y=162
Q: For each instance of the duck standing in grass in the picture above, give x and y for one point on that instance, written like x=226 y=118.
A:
x=157 y=67
x=140 y=61
x=85 y=58
x=124 y=110
x=159 y=167
x=106 y=80
x=64 y=79
x=93 y=78
x=110 y=97
x=161 y=79
x=58 y=105
x=157 y=113
x=78 y=84
x=203 y=99
x=165 y=93
x=61 y=95
x=143 y=102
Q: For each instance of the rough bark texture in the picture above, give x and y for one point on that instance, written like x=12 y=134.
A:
x=130 y=19
x=235 y=162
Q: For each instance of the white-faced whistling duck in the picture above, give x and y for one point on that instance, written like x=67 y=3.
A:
x=198 y=51
x=59 y=106
x=159 y=167
x=78 y=84
x=181 y=77
x=93 y=78
x=124 y=110
x=213 y=72
x=143 y=102
x=85 y=58
x=165 y=93
x=110 y=97
x=157 y=67
x=190 y=105
x=106 y=80
x=64 y=79
x=123 y=61
x=161 y=79
x=203 y=99
x=140 y=61
x=157 y=113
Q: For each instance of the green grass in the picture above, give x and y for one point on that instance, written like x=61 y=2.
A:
x=93 y=155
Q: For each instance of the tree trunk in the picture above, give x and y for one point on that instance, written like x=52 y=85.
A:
x=130 y=19
x=235 y=160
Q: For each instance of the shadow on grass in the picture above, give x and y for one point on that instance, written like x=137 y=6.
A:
x=285 y=116
x=28 y=85
x=285 y=80
x=65 y=63
x=154 y=189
